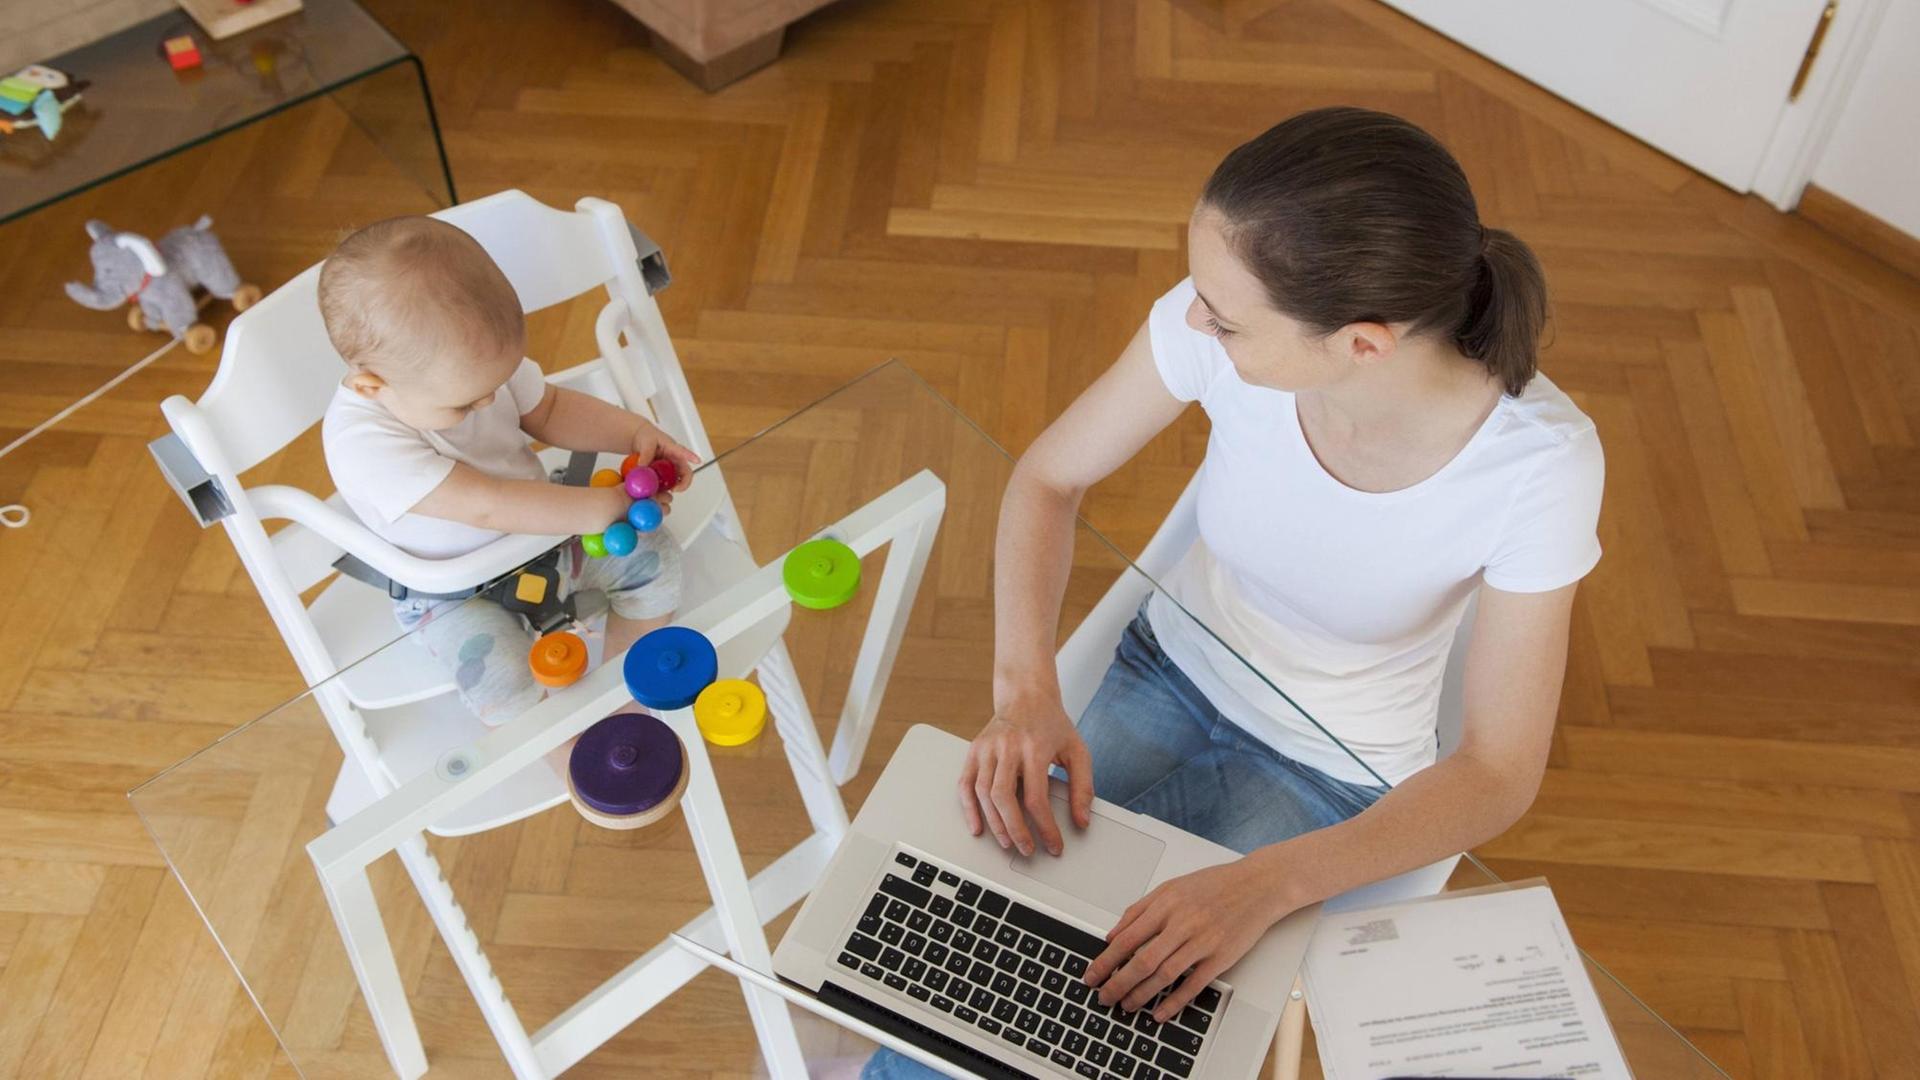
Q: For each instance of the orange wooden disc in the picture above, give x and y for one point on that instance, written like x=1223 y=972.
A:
x=558 y=659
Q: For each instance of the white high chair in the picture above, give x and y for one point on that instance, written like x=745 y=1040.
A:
x=1082 y=662
x=392 y=710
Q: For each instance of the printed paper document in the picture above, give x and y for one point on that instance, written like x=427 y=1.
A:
x=1480 y=985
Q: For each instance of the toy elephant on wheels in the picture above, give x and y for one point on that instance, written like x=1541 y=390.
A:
x=161 y=278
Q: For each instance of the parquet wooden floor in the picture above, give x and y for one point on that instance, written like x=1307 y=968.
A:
x=994 y=192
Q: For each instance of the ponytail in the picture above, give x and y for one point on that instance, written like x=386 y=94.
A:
x=1350 y=215
x=1507 y=311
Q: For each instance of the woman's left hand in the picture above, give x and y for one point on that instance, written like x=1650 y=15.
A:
x=1204 y=921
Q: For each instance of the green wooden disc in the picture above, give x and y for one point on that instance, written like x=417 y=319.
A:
x=821 y=574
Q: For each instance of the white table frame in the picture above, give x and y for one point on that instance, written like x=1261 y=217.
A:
x=906 y=519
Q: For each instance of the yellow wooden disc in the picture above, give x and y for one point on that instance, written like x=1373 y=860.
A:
x=730 y=712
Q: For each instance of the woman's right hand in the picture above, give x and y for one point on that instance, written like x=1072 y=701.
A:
x=1006 y=773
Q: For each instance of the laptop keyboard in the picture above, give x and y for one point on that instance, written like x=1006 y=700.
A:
x=949 y=943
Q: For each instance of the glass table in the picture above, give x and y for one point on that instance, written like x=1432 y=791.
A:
x=552 y=911
x=136 y=109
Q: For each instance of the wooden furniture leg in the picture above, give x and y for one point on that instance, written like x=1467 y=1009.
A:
x=730 y=66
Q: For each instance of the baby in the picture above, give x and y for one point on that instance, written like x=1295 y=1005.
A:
x=427 y=439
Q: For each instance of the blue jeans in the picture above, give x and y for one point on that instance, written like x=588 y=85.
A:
x=1160 y=748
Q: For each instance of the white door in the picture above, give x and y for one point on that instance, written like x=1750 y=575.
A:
x=1704 y=80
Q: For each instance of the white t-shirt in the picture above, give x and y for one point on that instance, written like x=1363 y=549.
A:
x=1348 y=600
x=383 y=468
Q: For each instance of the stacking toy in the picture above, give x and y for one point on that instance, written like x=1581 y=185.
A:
x=730 y=712
x=667 y=668
x=821 y=574
x=626 y=771
x=619 y=538
x=605 y=478
x=558 y=659
x=645 y=515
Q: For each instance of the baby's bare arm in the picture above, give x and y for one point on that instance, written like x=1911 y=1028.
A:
x=472 y=497
x=575 y=421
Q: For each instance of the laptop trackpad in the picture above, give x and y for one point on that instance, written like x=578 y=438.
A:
x=1107 y=864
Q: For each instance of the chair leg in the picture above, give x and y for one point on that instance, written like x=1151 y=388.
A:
x=1290 y=1041
x=464 y=945
x=808 y=759
x=886 y=626
x=364 y=933
x=732 y=896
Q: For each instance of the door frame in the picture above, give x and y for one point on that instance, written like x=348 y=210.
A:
x=1803 y=128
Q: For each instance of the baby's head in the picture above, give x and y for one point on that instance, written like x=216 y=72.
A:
x=428 y=325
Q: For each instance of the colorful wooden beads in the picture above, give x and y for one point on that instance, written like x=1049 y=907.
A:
x=620 y=538
x=642 y=483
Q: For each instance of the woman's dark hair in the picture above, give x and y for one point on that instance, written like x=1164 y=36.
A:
x=1349 y=215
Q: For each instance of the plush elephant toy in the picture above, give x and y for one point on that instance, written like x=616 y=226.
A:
x=161 y=278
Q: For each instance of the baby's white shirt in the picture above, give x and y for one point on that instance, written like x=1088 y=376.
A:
x=383 y=468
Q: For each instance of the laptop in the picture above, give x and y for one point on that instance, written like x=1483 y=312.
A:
x=974 y=954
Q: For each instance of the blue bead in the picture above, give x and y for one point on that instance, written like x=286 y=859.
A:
x=620 y=538
x=645 y=515
x=669 y=667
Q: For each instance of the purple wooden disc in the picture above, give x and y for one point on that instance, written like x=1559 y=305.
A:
x=625 y=764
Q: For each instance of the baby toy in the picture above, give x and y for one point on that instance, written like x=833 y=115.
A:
x=630 y=770
x=162 y=278
x=181 y=52
x=558 y=659
x=37 y=97
x=821 y=574
x=626 y=771
x=642 y=482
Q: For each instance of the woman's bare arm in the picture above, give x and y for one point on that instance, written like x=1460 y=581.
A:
x=1007 y=765
x=1515 y=664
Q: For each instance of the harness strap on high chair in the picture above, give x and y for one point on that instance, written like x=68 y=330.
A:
x=577 y=473
x=352 y=566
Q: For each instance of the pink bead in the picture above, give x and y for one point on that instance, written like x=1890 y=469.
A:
x=642 y=482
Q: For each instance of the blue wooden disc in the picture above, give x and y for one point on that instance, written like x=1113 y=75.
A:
x=669 y=667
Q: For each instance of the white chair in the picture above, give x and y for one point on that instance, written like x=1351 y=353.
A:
x=392 y=710
x=1083 y=660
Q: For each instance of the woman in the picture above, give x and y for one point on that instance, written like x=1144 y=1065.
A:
x=1381 y=447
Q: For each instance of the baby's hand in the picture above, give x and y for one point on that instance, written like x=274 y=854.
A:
x=650 y=442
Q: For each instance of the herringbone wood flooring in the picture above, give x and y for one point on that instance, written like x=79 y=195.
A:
x=994 y=192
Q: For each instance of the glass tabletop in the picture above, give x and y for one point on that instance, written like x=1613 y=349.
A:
x=134 y=108
x=562 y=908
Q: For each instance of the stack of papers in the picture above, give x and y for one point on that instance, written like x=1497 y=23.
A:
x=1484 y=984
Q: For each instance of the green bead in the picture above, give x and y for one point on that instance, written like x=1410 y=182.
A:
x=821 y=574
x=595 y=545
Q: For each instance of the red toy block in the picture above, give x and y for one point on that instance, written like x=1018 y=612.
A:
x=182 y=53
